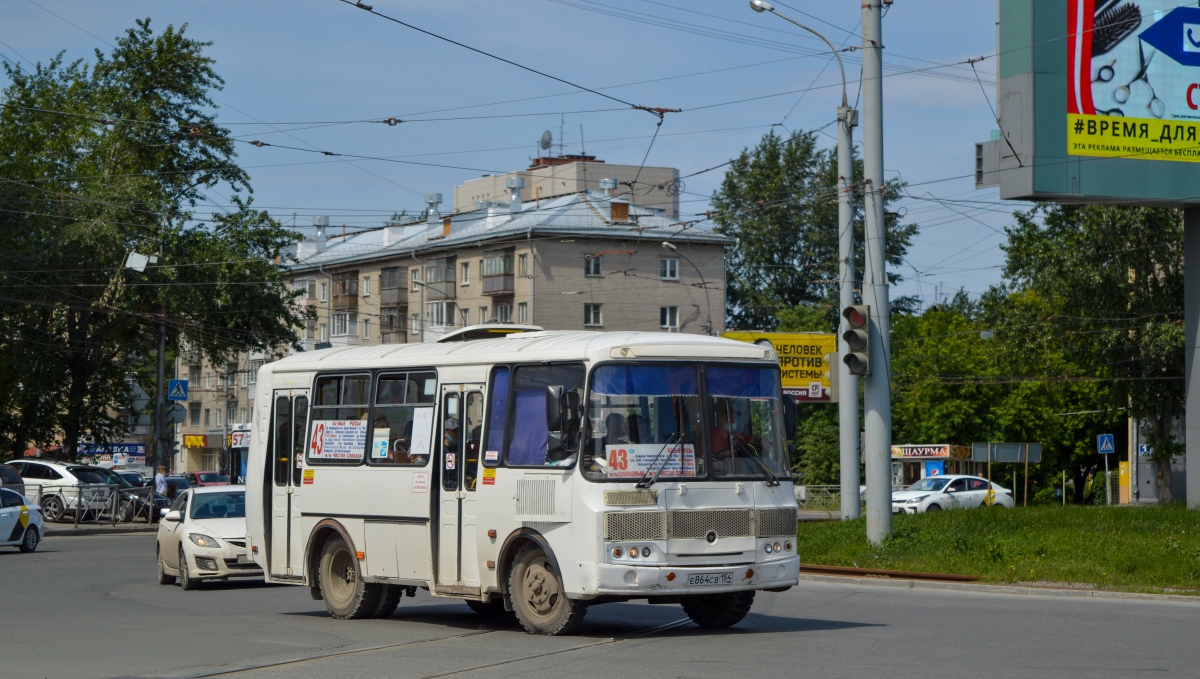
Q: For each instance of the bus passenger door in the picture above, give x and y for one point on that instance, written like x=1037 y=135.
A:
x=462 y=419
x=289 y=426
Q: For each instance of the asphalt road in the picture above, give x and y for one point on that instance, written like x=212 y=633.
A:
x=90 y=607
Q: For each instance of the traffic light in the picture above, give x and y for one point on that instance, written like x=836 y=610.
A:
x=857 y=339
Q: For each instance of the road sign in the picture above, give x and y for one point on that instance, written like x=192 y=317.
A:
x=177 y=413
x=1105 y=445
x=1144 y=450
x=177 y=390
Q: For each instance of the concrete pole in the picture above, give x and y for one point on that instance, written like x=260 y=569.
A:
x=1191 y=322
x=877 y=397
x=847 y=383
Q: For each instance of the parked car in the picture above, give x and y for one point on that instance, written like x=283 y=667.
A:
x=10 y=479
x=135 y=479
x=135 y=500
x=21 y=524
x=936 y=493
x=176 y=485
x=61 y=489
x=202 y=536
x=207 y=478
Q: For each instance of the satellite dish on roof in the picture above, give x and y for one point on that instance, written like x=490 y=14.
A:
x=546 y=140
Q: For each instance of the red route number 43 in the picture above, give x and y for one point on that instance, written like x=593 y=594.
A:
x=618 y=460
x=318 y=440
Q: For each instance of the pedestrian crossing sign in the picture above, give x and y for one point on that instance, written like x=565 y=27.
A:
x=177 y=390
x=1104 y=444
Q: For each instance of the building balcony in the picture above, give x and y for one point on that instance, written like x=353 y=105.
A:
x=393 y=296
x=343 y=302
x=498 y=285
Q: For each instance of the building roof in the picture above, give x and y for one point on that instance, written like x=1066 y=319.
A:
x=585 y=215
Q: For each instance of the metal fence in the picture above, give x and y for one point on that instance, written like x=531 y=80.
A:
x=88 y=502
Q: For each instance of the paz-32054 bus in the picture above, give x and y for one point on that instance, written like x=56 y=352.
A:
x=540 y=473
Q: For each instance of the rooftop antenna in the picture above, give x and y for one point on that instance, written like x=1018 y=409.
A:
x=582 y=146
x=561 y=135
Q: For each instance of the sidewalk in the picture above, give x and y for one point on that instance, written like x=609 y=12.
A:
x=58 y=530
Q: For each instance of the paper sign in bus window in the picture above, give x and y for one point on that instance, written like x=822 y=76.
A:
x=337 y=439
x=379 y=443
x=422 y=431
x=632 y=461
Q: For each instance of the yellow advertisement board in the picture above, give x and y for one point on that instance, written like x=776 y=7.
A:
x=803 y=360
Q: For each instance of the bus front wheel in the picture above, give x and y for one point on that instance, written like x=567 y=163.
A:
x=718 y=610
x=538 y=597
x=345 y=593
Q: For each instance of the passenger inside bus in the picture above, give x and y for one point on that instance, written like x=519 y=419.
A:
x=615 y=430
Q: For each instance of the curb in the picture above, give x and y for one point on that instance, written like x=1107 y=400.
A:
x=1000 y=589
x=83 y=532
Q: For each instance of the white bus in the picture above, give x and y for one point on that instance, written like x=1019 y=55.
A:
x=539 y=473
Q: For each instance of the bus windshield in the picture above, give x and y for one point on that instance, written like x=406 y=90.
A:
x=640 y=419
x=745 y=417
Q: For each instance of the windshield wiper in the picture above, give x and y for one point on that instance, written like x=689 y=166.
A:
x=646 y=481
x=772 y=479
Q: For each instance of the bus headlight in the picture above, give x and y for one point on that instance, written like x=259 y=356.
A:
x=768 y=549
x=646 y=552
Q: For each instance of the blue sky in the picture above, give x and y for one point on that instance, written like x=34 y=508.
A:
x=291 y=67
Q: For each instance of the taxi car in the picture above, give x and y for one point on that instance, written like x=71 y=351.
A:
x=202 y=536
x=21 y=523
x=937 y=493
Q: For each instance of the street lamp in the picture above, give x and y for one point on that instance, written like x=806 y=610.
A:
x=848 y=387
x=708 y=326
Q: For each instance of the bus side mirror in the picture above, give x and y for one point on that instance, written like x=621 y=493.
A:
x=554 y=394
x=789 y=416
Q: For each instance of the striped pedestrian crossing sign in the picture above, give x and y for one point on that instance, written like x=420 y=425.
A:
x=1105 y=445
x=177 y=390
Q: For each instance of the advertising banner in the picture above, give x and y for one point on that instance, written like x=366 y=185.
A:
x=803 y=360
x=1133 y=72
x=337 y=439
x=930 y=451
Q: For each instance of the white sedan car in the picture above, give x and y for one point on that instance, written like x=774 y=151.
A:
x=936 y=493
x=21 y=523
x=203 y=537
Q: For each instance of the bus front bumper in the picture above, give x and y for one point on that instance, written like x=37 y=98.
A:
x=600 y=579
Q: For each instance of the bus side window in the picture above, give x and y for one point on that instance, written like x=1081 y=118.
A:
x=299 y=436
x=529 y=444
x=497 y=416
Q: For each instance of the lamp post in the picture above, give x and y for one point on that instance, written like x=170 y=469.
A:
x=708 y=326
x=847 y=383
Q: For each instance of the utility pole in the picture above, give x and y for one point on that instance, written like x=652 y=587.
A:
x=847 y=383
x=877 y=402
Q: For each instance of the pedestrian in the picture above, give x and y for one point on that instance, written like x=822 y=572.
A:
x=160 y=481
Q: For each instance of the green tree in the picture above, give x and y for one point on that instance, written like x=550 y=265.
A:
x=779 y=200
x=1114 y=277
x=112 y=158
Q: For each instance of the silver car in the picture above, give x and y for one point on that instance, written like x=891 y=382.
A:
x=202 y=536
x=936 y=493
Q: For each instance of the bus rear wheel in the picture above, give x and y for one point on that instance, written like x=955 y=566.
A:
x=718 y=610
x=346 y=595
x=538 y=597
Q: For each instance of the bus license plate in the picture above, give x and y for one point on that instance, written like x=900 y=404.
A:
x=710 y=579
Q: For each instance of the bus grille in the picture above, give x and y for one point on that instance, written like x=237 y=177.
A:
x=635 y=526
x=725 y=523
x=776 y=522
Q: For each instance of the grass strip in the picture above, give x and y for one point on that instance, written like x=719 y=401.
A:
x=1132 y=549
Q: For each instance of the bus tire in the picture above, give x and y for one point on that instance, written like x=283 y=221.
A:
x=346 y=595
x=389 y=599
x=538 y=597
x=718 y=610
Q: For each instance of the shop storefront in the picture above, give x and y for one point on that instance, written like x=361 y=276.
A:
x=911 y=463
x=200 y=452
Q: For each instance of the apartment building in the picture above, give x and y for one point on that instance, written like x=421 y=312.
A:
x=589 y=260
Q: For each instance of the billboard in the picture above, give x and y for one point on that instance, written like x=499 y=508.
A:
x=1132 y=79
x=1097 y=101
x=803 y=361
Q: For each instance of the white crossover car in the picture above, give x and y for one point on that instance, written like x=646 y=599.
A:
x=936 y=493
x=202 y=536
x=21 y=523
